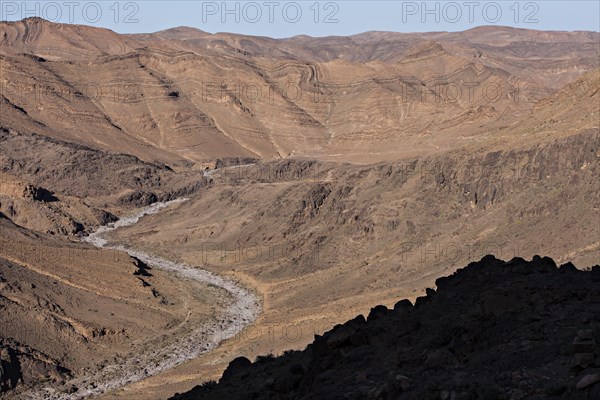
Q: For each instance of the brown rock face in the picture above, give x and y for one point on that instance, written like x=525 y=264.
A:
x=454 y=348
x=329 y=175
x=23 y=365
x=183 y=94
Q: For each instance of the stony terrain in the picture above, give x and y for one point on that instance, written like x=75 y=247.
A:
x=323 y=174
x=170 y=346
x=492 y=330
x=69 y=310
x=322 y=242
x=185 y=95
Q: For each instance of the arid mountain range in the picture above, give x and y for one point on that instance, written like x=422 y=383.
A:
x=183 y=94
x=326 y=175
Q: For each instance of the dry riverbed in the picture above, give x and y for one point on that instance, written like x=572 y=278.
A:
x=192 y=337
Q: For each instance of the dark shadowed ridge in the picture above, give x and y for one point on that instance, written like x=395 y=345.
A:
x=493 y=330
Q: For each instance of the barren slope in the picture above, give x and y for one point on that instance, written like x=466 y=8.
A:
x=185 y=94
x=375 y=164
x=70 y=309
x=492 y=330
x=322 y=242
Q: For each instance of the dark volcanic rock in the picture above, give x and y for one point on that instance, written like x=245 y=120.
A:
x=139 y=198
x=235 y=367
x=21 y=364
x=492 y=330
x=39 y=194
x=104 y=217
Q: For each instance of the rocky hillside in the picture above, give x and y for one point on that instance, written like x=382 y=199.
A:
x=69 y=310
x=322 y=242
x=183 y=94
x=371 y=165
x=492 y=330
x=59 y=187
x=23 y=365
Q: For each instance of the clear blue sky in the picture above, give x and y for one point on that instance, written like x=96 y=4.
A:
x=315 y=18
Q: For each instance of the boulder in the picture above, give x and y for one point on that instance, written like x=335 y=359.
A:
x=588 y=381
x=235 y=367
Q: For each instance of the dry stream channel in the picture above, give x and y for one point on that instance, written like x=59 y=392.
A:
x=171 y=350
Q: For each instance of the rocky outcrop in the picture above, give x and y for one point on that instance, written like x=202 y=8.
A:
x=74 y=170
x=492 y=330
x=53 y=186
x=23 y=365
x=234 y=161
